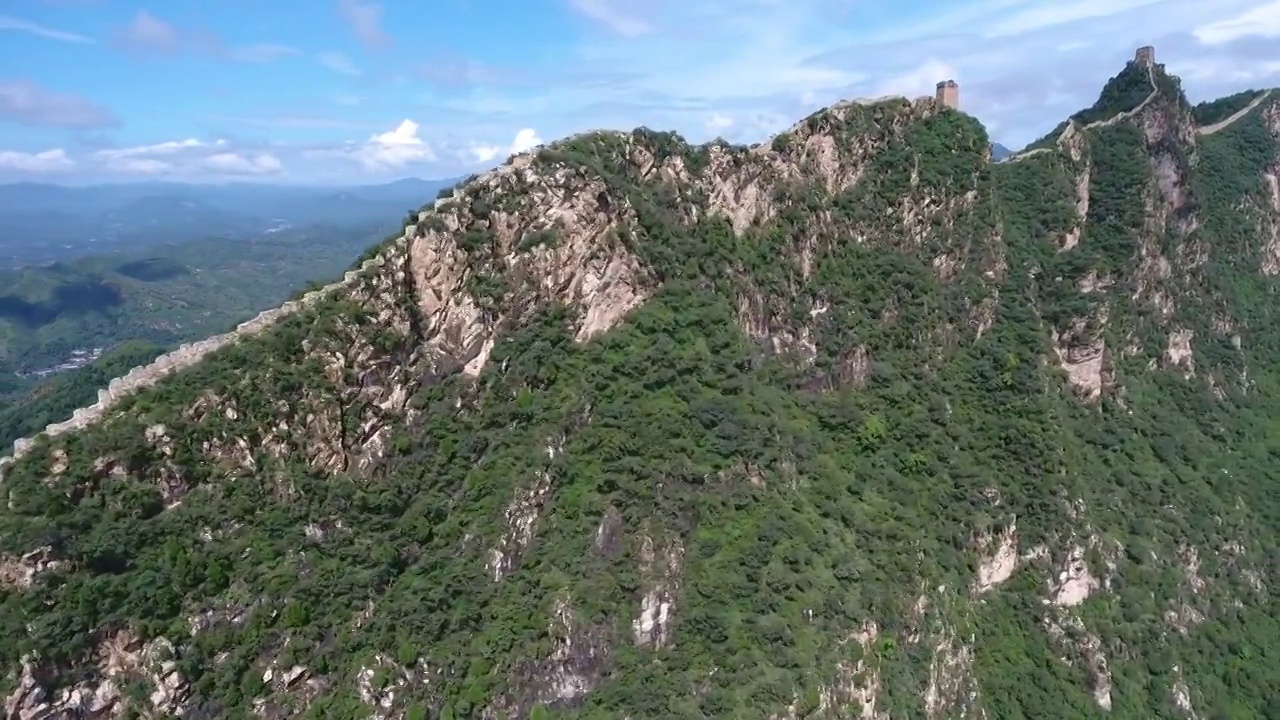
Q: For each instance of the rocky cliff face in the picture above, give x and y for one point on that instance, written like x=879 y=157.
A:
x=854 y=423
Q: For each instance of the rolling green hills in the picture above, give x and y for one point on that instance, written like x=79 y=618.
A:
x=192 y=290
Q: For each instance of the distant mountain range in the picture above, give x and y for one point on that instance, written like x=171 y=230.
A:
x=42 y=223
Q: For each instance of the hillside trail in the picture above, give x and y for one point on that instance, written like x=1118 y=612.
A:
x=1229 y=121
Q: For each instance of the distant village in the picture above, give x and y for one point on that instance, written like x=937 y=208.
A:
x=79 y=358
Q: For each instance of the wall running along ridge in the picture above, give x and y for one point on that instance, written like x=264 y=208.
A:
x=189 y=354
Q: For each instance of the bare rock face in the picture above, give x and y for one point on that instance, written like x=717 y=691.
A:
x=1082 y=355
x=582 y=263
x=661 y=566
x=121 y=659
x=19 y=573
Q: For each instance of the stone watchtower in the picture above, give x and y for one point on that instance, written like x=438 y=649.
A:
x=949 y=94
x=1145 y=56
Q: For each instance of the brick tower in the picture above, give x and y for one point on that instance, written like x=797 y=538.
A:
x=1145 y=56
x=949 y=94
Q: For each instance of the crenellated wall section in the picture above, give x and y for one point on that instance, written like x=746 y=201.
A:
x=189 y=354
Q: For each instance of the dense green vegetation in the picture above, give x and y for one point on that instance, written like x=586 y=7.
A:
x=807 y=499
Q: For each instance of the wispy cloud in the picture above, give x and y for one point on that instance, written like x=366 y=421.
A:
x=49 y=161
x=262 y=52
x=365 y=21
x=297 y=122
x=338 y=63
x=1048 y=15
x=743 y=69
x=26 y=103
x=189 y=157
x=8 y=22
x=228 y=163
x=149 y=35
x=616 y=15
x=1260 y=21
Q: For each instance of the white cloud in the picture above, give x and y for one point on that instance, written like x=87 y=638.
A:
x=235 y=164
x=8 y=22
x=160 y=158
x=525 y=139
x=711 y=53
x=1218 y=70
x=140 y=166
x=920 y=80
x=1023 y=65
x=388 y=150
x=717 y=123
x=1261 y=21
x=165 y=148
x=190 y=157
x=485 y=153
x=42 y=162
x=338 y=63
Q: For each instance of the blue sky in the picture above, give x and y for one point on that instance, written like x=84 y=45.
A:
x=352 y=91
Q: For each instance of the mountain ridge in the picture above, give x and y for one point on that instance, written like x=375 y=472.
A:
x=855 y=422
x=1063 y=140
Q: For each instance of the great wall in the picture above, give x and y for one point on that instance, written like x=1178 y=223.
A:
x=187 y=355
x=1144 y=57
x=1230 y=120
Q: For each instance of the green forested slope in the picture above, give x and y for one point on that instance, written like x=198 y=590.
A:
x=875 y=437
